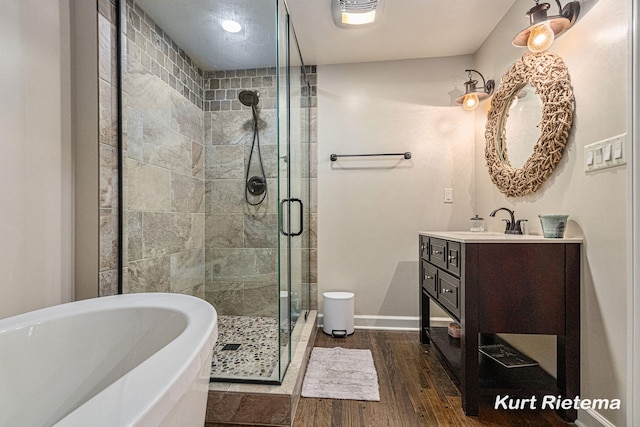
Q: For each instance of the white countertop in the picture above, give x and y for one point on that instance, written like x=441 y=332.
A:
x=492 y=237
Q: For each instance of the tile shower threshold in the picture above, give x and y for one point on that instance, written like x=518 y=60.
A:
x=263 y=404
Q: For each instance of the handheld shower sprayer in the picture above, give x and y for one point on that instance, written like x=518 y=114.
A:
x=250 y=98
x=256 y=185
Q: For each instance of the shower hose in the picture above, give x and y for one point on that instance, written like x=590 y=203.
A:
x=256 y=185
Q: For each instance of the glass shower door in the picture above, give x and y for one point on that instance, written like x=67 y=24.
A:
x=299 y=173
x=293 y=186
x=284 y=196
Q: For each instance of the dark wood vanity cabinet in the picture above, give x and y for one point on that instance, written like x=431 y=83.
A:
x=521 y=285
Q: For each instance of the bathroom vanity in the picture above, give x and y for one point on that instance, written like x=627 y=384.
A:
x=493 y=283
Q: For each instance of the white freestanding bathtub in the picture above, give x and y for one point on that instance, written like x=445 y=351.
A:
x=138 y=359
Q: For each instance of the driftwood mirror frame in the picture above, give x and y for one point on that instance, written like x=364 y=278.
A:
x=548 y=74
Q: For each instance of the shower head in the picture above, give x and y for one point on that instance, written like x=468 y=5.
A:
x=249 y=98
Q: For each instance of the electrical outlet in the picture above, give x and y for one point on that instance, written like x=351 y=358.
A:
x=448 y=195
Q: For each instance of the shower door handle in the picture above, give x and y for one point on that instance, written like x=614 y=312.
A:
x=288 y=232
x=301 y=216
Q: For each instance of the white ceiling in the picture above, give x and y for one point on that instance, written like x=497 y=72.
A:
x=405 y=29
x=195 y=26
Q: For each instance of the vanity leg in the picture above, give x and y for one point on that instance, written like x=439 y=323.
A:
x=469 y=387
x=568 y=346
x=568 y=373
x=425 y=316
x=566 y=377
x=469 y=331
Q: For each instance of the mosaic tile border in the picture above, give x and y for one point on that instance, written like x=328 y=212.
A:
x=162 y=56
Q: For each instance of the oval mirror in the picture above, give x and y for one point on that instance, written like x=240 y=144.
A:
x=522 y=154
x=520 y=126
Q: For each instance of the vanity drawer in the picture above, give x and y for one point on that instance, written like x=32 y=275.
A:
x=424 y=247
x=453 y=257
x=437 y=252
x=429 y=274
x=449 y=292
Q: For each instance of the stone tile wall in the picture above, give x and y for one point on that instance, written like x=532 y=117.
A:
x=163 y=136
x=309 y=238
x=108 y=150
x=241 y=240
x=154 y=51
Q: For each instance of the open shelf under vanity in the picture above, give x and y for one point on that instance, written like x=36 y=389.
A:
x=494 y=379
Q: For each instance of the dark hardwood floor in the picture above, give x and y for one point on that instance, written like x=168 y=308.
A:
x=415 y=390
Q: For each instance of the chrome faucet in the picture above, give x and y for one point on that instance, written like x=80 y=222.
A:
x=513 y=226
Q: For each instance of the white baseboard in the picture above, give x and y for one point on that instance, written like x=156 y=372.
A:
x=591 y=418
x=390 y=323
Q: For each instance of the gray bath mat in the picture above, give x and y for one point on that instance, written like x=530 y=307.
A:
x=339 y=373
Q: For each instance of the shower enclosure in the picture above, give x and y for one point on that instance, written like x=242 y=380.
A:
x=215 y=160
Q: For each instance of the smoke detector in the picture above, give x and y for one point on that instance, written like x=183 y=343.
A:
x=355 y=13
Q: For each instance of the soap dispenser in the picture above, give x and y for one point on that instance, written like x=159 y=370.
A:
x=477 y=223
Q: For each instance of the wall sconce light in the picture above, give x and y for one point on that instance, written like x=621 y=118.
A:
x=355 y=13
x=543 y=29
x=472 y=94
x=516 y=98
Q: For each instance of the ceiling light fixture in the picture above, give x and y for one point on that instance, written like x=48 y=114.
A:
x=543 y=29
x=474 y=95
x=231 y=26
x=355 y=13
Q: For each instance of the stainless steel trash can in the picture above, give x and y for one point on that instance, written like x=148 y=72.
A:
x=338 y=314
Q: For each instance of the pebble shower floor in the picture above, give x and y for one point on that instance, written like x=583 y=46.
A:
x=256 y=356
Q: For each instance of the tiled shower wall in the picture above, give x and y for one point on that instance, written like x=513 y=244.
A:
x=310 y=241
x=108 y=150
x=186 y=143
x=241 y=240
x=163 y=162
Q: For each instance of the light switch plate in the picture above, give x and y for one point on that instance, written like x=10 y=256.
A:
x=448 y=195
x=604 y=154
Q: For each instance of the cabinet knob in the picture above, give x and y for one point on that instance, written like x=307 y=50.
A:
x=452 y=257
x=446 y=291
x=436 y=252
x=428 y=277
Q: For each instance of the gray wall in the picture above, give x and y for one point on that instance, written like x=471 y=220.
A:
x=36 y=175
x=371 y=209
